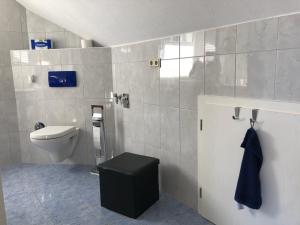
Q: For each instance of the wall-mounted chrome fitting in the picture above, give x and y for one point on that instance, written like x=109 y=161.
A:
x=154 y=62
x=123 y=99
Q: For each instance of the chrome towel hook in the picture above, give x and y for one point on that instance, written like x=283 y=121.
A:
x=236 y=115
x=254 y=117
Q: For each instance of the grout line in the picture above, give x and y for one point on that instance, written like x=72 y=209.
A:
x=235 y=64
x=276 y=60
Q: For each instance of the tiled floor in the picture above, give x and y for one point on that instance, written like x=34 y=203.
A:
x=69 y=195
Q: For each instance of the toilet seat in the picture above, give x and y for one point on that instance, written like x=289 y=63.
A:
x=52 y=132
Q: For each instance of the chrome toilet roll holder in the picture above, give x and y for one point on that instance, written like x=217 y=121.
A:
x=98 y=123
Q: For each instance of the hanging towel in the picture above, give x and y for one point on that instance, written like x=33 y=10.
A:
x=248 y=190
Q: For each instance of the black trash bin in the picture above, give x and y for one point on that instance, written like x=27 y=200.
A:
x=129 y=183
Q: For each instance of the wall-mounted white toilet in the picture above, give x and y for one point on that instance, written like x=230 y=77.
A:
x=59 y=141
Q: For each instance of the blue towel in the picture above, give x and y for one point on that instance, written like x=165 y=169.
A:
x=248 y=190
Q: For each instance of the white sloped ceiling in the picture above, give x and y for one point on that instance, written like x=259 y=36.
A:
x=115 y=22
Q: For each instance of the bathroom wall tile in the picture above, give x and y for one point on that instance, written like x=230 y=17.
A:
x=169 y=83
x=152 y=125
x=72 y=40
x=4 y=149
x=255 y=74
x=143 y=51
x=134 y=122
x=152 y=151
x=122 y=72
x=8 y=117
x=30 y=112
x=74 y=113
x=58 y=39
x=4 y=58
x=188 y=130
x=23 y=18
x=136 y=80
x=25 y=40
x=29 y=153
x=81 y=154
x=92 y=56
x=54 y=117
x=191 y=81
x=286 y=81
x=30 y=58
x=257 y=36
x=31 y=90
x=18 y=78
x=289 y=31
x=151 y=84
x=137 y=148
x=109 y=117
x=50 y=57
x=6 y=83
x=71 y=57
x=220 y=41
x=192 y=44
x=34 y=22
x=170 y=173
x=220 y=75
x=170 y=133
x=188 y=181
x=95 y=80
x=15 y=147
x=15 y=41
x=119 y=54
x=169 y=47
x=15 y=57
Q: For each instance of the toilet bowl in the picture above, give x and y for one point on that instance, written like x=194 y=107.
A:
x=59 y=141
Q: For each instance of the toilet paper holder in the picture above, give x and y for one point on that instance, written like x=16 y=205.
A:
x=98 y=135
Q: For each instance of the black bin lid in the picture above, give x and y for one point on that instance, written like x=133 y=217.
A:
x=128 y=163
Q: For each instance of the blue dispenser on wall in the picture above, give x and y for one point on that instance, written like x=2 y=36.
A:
x=62 y=79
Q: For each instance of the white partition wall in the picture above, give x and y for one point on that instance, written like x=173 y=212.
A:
x=220 y=156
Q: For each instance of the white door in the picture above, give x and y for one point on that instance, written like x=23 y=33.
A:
x=220 y=159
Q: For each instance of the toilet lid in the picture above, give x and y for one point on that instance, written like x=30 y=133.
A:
x=52 y=132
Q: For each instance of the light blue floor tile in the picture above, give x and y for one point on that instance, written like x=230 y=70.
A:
x=69 y=195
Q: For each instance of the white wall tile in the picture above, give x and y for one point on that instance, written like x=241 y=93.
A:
x=257 y=36
x=95 y=80
x=191 y=81
x=119 y=54
x=169 y=47
x=220 y=41
x=6 y=83
x=152 y=125
x=192 y=44
x=188 y=133
x=151 y=84
x=287 y=82
x=30 y=58
x=255 y=74
x=170 y=133
x=220 y=75
x=169 y=83
x=143 y=51
x=50 y=57
x=94 y=56
x=289 y=31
